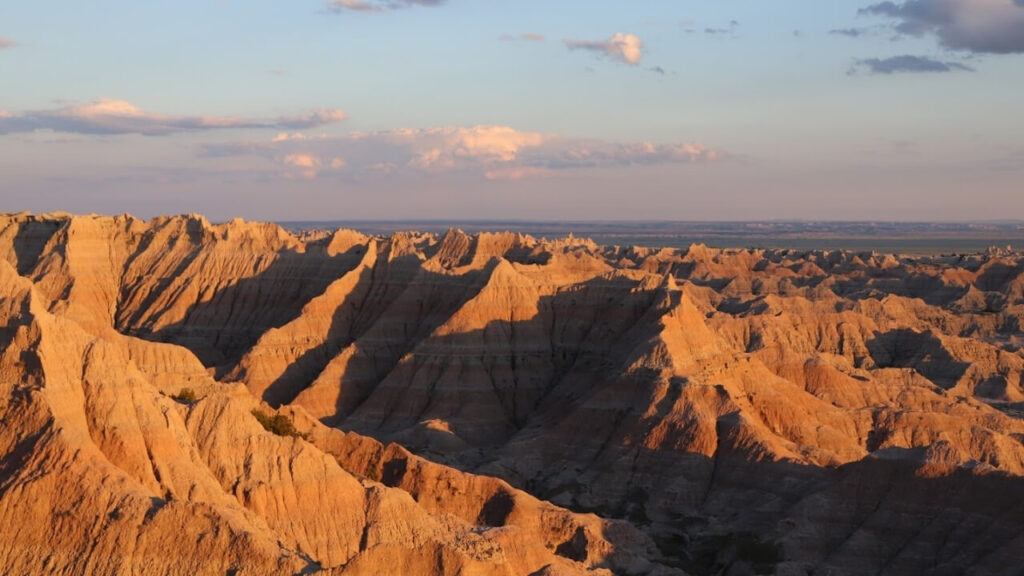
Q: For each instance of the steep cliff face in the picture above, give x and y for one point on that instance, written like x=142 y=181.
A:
x=108 y=465
x=754 y=410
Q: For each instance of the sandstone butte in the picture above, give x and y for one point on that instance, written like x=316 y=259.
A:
x=500 y=404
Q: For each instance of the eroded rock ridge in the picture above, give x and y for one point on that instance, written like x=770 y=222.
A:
x=500 y=404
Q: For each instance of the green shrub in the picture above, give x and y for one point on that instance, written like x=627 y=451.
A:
x=185 y=396
x=278 y=424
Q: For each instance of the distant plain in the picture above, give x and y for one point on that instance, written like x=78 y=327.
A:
x=912 y=238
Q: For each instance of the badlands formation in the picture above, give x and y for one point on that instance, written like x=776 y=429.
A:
x=178 y=397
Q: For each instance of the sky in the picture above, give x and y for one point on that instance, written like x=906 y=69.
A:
x=515 y=109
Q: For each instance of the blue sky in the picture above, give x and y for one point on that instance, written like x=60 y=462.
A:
x=347 y=109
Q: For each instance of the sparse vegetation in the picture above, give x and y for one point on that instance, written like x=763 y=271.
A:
x=185 y=396
x=637 y=506
x=372 y=474
x=762 y=555
x=719 y=553
x=278 y=424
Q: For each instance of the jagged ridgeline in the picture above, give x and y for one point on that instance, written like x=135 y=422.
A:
x=183 y=397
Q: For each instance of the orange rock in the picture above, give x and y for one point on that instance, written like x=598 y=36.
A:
x=747 y=410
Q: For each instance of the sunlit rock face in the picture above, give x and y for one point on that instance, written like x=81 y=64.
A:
x=500 y=404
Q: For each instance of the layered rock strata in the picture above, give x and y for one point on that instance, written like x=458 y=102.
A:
x=765 y=411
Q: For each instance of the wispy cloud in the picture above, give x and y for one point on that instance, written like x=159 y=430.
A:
x=983 y=26
x=864 y=31
x=850 y=32
x=733 y=24
x=7 y=43
x=371 y=6
x=626 y=48
x=107 y=116
x=526 y=37
x=690 y=27
x=495 y=152
x=312 y=119
x=908 y=64
x=519 y=173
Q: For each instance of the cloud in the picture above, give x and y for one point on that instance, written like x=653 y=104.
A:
x=301 y=161
x=690 y=27
x=733 y=24
x=446 y=148
x=851 y=32
x=521 y=173
x=285 y=136
x=7 y=43
x=107 y=116
x=908 y=63
x=304 y=165
x=371 y=6
x=313 y=119
x=300 y=166
x=494 y=152
x=353 y=5
x=526 y=37
x=982 y=26
x=625 y=48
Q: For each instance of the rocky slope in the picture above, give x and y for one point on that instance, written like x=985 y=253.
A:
x=455 y=396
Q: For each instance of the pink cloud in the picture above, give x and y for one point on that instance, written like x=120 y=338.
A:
x=524 y=173
x=626 y=48
x=494 y=152
x=302 y=166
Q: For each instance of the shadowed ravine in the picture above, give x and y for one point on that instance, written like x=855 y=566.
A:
x=494 y=403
